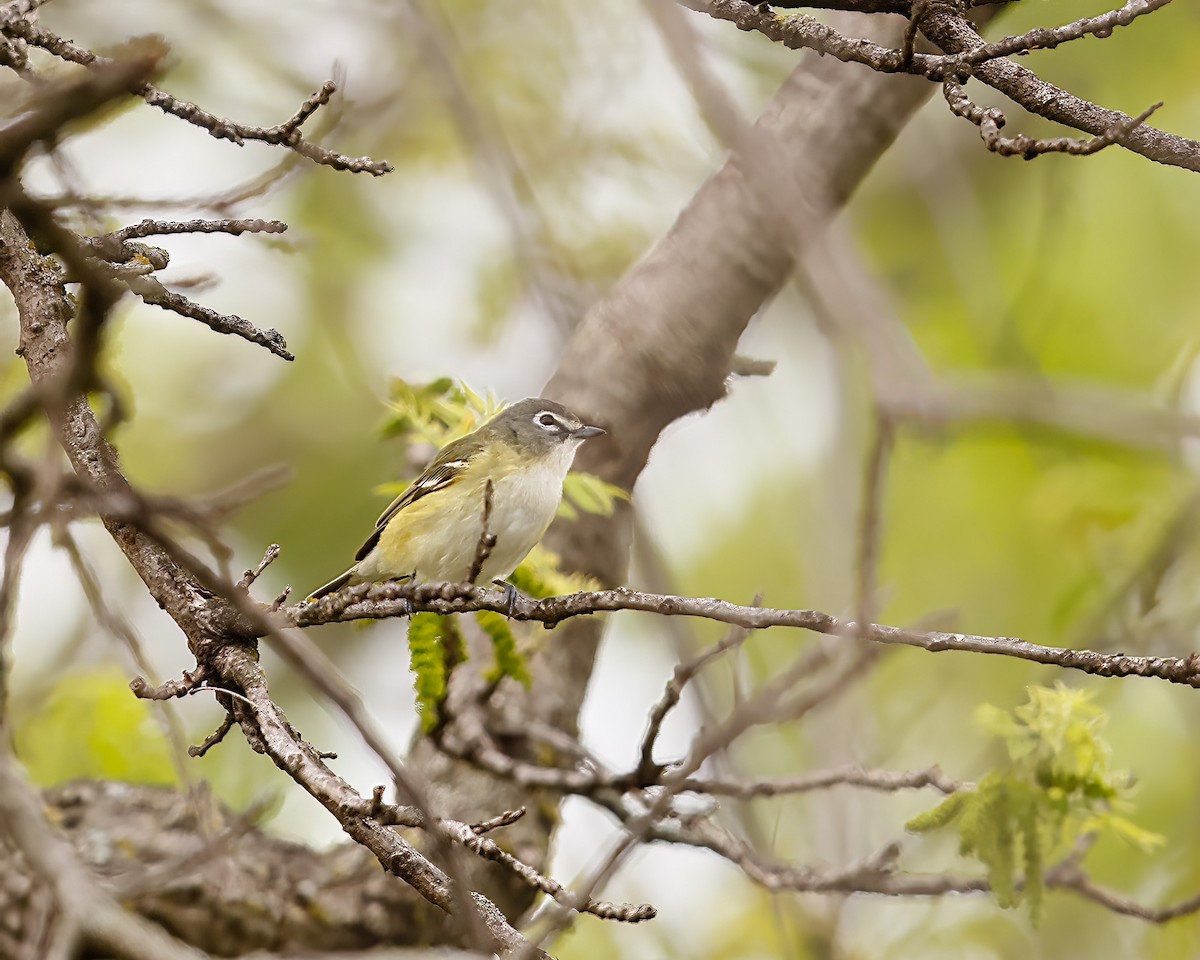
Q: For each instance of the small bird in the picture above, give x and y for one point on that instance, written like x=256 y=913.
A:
x=431 y=532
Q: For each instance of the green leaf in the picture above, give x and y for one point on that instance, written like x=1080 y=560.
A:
x=435 y=412
x=509 y=661
x=1035 y=861
x=941 y=815
x=540 y=575
x=1129 y=832
x=427 y=657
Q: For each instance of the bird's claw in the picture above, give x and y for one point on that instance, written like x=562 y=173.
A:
x=511 y=594
x=406 y=601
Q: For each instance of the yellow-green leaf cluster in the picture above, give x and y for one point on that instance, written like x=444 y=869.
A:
x=587 y=492
x=435 y=412
x=427 y=645
x=509 y=660
x=1058 y=785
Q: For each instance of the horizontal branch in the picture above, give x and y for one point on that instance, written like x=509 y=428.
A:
x=957 y=36
x=393 y=599
x=162 y=228
x=851 y=776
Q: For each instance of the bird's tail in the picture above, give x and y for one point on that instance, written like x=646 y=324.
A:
x=335 y=584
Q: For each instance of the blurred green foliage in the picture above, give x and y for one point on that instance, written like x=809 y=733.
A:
x=90 y=725
x=509 y=661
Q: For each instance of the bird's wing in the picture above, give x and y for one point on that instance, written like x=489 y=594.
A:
x=445 y=469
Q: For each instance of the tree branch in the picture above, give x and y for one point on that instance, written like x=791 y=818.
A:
x=966 y=53
x=286 y=134
x=392 y=599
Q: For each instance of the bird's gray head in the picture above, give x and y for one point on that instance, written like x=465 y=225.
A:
x=541 y=426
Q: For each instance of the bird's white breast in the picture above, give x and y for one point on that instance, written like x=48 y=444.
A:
x=523 y=506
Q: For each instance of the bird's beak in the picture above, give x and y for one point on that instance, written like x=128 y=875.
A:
x=585 y=432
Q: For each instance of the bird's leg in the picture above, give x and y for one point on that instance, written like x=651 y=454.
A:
x=406 y=602
x=511 y=594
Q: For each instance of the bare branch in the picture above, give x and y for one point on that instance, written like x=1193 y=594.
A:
x=853 y=776
x=375 y=601
x=160 y=228
x=488 y=849
x=153 y=292
x=500 y=820
x=171 y=689
x=682 y=675
x=966 y=53
x=213 y=738
x=957 y=36
x=248 y=578
x=286 y=134
x=1047 y=38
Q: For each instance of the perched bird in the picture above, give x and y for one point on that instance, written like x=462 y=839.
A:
x=431 y=532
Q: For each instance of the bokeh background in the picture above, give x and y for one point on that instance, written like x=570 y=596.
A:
x=569 y=146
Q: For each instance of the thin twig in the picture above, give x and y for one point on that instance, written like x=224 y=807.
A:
x=248 y=578
x=854 y=776
x=170 y=689
x=213 y=738
x=487 y=539
x=153 y=292
x=990 y=121
x=162 y=228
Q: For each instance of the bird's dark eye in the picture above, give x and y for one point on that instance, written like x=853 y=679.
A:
x=548 y=421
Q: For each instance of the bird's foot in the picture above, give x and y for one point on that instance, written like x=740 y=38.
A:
x=406 y=601
x=511 y=594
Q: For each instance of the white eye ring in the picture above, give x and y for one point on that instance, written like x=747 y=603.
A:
x=548 y=421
